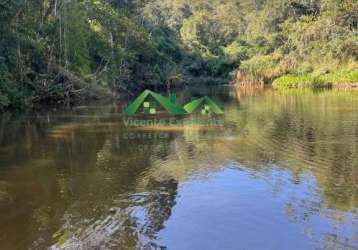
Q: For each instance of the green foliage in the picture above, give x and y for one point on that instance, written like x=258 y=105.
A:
x=263 y=67
x=343 y=77
x=311 y=40
x=262 y=39
x=294 y=81
x=241 y=50
x=317 y=81
x=57 y=51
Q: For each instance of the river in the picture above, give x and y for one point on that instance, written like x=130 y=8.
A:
x=278 y=171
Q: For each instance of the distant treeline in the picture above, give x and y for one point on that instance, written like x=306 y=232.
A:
x=57 y=51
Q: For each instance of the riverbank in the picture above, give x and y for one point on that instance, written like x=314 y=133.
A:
x=346 y=80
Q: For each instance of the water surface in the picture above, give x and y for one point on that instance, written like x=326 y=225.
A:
x=280 y=173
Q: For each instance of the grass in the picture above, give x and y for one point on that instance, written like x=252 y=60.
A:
x=328 y=80
x=343 y=77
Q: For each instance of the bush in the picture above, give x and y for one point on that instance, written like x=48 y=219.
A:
x=293 y=81
x=341 y=77
x=264 y=67
x=237 y=52
x=317 y=81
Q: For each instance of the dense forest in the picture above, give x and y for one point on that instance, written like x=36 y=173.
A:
x=57 y=51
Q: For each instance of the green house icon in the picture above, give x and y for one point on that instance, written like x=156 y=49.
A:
x=207 y=105
x=150 y=101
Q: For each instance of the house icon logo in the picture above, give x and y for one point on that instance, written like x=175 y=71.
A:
x=149 y=103
x=207 y=105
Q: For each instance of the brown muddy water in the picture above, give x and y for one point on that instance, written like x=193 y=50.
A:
x=279 y=172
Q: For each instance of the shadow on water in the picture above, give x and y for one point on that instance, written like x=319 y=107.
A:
x=282 y=164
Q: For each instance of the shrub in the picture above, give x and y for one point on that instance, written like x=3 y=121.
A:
x=341 y=77
x=293 y=81
x=317 y=81
x=264 y=67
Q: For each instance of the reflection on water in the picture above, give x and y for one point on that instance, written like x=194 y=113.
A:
x=282 y=173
